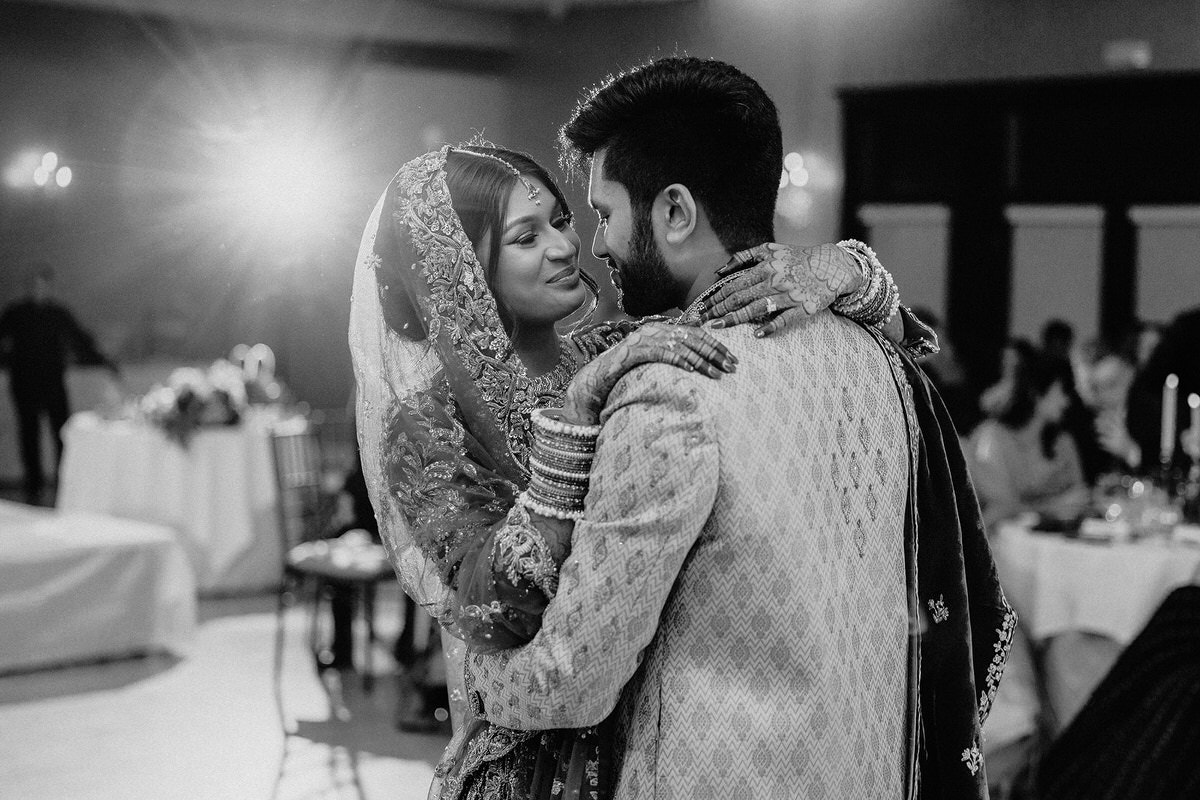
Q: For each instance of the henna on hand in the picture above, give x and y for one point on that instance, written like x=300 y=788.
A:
x=784 y=287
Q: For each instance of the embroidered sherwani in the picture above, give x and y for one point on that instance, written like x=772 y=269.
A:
x=737 y=588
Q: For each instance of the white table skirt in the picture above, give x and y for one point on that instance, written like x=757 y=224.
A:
x=1060 y=585
x=78 y=587
x=218 y=493
x=1080 y=602
x=88 y=389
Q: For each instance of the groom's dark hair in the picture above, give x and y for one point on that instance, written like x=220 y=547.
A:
x=702 y=123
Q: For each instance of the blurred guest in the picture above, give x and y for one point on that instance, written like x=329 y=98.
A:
x=1058 y=337
x=948 y=376
x=1058 y=340
x=1109 y=380
x=1177 y=353
x=1023 y=460
x=997 y=398
x=1149 y=334
x=37 y=337
x=1137 y=340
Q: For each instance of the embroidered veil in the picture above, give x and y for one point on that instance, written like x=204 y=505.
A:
x=443 y=399
x=443 y=413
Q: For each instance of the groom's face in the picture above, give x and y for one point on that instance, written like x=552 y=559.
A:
x=625 y=240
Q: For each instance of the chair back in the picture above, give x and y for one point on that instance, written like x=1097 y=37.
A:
x=304 y=506
x=335 y=432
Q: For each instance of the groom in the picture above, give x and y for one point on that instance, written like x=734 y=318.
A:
x=737 y=586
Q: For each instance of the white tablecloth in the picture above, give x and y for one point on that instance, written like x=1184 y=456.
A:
x=218 y=493
x=88 y=389
x=1080 y=603
x=77 y=587
x=1059 y=585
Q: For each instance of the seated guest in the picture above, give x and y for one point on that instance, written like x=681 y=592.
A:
x=1058 y=348
x=1023 y=460
x=1058 y=338
x=948 y=375
x=1109 y=380
x=1175 y=354
x=996 y=399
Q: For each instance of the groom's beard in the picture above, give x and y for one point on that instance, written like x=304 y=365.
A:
x=646 y=285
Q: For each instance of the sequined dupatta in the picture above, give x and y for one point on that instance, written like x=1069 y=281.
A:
x=443 y=400
x=443 y=415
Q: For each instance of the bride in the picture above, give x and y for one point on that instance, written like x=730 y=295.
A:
x=466 y=268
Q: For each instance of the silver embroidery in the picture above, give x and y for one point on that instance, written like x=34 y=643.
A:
x=999 y=658
x=973 y=759
x=524 y=553
x=938 y=608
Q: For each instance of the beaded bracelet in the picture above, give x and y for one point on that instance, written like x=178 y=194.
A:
x=535 y=505
x=879 y=300
x=560 y=463
x=542 y=420
x=858 y=297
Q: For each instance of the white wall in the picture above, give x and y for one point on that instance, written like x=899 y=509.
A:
x=1168 y=260
x=1056 y=262
x=915 y=242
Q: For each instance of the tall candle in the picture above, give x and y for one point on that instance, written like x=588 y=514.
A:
x=1194 y=405
x=1167 y=440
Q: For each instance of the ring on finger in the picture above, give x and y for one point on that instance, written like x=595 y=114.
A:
x=771 y=307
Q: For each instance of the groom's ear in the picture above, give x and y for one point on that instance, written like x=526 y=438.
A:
x=675 y=213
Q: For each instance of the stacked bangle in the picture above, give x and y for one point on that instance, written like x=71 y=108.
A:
x=878 y=299
x=560 y=464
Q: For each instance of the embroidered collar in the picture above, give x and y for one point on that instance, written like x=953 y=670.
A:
x=691 y=314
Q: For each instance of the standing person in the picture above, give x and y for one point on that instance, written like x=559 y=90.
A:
x=743 y=583
x=38 y=335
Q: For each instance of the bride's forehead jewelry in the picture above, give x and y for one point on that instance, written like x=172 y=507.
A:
x=532 y=192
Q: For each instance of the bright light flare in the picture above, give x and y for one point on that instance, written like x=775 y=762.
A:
x=794 y=171
x=19 y=172
x=795 y=205
x=50 y=161
x=41 y=176
x=282 y=188
x=63 y=177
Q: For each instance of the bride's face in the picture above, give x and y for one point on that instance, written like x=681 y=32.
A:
x=537 y=275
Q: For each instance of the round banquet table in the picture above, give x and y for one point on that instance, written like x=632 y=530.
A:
x=217 y=493
x=1058 y=584
x=1081 y=600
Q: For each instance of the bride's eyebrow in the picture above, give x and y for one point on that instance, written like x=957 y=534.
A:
x=522 y=220
x=556 y=211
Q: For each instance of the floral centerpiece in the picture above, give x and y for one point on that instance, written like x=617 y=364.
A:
x=194 y=398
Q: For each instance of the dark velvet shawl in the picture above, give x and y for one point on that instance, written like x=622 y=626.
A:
x=965 y=624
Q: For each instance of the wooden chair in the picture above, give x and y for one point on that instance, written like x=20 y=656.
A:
x=313 y=562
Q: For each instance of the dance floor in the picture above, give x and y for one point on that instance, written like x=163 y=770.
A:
x=205 y=727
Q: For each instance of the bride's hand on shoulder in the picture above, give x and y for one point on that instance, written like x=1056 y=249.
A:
x=689 y=348
x=784 y=286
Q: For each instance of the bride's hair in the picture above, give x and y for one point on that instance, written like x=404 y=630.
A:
x=480 y=183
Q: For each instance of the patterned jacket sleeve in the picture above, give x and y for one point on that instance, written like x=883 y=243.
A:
x=653 y=486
